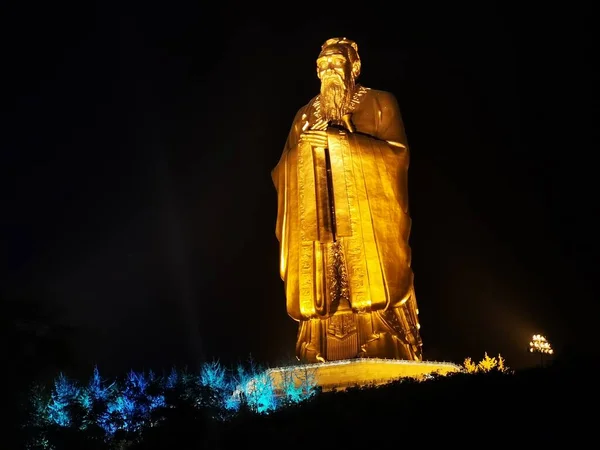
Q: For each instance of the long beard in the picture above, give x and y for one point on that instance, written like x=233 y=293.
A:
x=335 y=97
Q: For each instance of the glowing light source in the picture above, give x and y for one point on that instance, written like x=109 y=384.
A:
x=539 y=344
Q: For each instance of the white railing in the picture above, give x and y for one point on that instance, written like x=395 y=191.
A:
x=365 y=361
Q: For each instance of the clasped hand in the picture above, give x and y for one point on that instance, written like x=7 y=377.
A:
x=316 y=138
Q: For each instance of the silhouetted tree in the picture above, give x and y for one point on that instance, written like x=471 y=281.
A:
x=36 y=347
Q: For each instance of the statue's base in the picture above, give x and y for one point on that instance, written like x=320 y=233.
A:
x=347 y=373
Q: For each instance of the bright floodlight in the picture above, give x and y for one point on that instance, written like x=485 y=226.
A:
x=539 y=344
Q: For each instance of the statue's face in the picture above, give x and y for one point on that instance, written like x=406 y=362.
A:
x=334 y=65
x=337 y=82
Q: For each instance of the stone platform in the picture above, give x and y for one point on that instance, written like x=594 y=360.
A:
x=358 y=372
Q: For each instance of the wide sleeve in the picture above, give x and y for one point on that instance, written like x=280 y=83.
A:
x=390 y=124
x=278 y=173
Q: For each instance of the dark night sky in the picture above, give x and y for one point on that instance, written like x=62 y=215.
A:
x=138 y=144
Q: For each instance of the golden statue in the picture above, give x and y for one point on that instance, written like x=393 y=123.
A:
x=342 y=221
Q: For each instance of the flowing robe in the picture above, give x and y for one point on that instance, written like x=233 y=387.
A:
x=367 y=186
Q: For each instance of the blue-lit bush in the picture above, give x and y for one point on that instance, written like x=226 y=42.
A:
x=254 y=389
x=64 y=396
x=123 y=409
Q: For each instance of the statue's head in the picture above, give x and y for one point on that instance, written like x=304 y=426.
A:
x=338 y=66
x=338 y=55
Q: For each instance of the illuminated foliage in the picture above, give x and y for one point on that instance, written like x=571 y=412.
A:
x=469 y=365
x=296 y=385
x=308 y=382
x=215 y=389
x=292 y=391
x=38 y=421
x=487 y=364
x=38 y=407
x=93 y=400
x=502 y=367
x=142 y=406
x=254 y=389
x=213 y=375
x=63 y=396
x=172 y=379
x=142 y=400
x=130 y=408
x=261 y=393
x=238 y=398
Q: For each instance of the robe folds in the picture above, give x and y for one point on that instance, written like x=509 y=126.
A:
x=362 y=204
